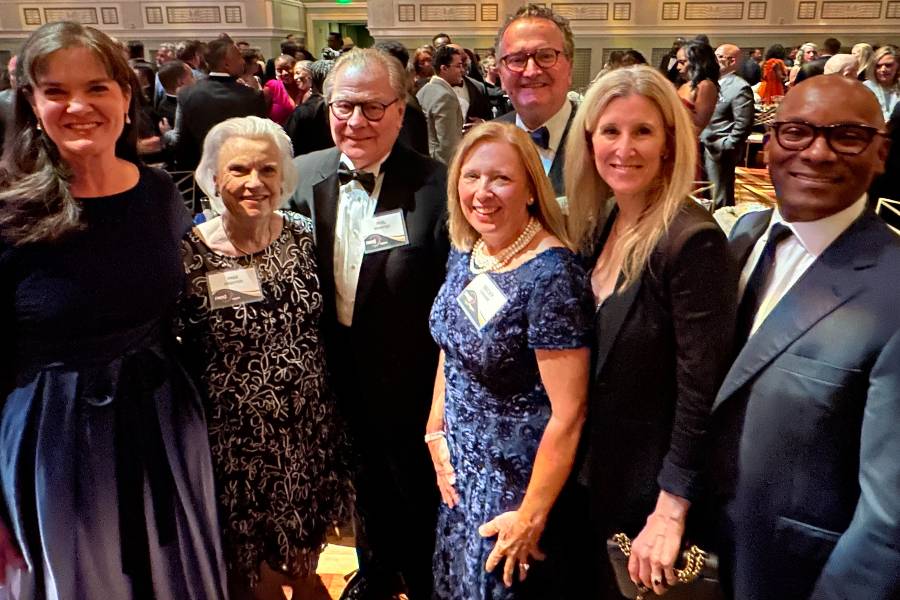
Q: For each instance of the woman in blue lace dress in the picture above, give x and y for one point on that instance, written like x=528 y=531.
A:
x=509 y=400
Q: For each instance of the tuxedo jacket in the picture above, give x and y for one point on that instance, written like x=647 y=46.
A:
x=207 y=103
x=807 y=444
x=732 y=118
x=384 y=366
x=557 y=169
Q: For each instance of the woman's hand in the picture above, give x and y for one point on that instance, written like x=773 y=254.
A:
x=9 y=553
x=656 y=548
x=446 y=476
x=517 y=543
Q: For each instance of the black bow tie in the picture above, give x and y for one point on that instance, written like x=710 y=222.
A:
x=346 y=175
x=459 y=85
x=541 y=137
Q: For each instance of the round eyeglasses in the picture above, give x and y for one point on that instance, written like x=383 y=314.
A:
x=844 y=138
x=545 y=58
x=371 y=109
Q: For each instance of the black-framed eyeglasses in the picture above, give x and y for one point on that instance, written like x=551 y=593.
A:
x=844 y=138
x=545 y=58
x=372 y=110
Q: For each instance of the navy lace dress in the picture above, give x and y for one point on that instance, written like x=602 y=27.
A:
x=496 y=407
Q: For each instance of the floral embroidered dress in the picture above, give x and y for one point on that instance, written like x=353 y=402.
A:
x=496 y=407
x=277 y=444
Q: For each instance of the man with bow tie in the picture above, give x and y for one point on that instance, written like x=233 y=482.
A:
x=441 y=105
x=379 y=212
x=536 y=48
x=806 y=457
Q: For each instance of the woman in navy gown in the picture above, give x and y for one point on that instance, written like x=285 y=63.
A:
x=511 y=319
x=107 y=488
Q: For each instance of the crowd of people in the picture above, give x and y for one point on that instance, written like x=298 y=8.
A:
x=474 y=313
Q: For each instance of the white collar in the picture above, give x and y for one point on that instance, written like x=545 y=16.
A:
x=816 y=236
x=218 y=74
x=556 y=125
x=374 y=168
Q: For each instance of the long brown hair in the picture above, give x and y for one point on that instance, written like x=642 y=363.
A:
x=36 y=202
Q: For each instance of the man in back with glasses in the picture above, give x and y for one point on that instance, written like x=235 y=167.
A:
x=536 y=48
x=379 y=217
x=806 y=443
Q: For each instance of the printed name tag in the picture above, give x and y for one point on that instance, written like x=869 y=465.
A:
x=233 y=287
x=385 y=231
x=481 y=300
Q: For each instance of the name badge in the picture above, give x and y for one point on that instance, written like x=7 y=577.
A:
x=233 y=287
x=385 y=231
x=481 y=300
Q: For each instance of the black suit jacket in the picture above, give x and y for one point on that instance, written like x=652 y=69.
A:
x=663 y=346
x=207 y=103
x=414 y=131
x=308 y=126
x=557 y=169
x=807 y=447
x=479 y=103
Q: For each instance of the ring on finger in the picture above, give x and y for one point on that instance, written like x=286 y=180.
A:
x=657 y=581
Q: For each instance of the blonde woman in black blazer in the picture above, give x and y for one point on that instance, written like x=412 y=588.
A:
x=665 y=289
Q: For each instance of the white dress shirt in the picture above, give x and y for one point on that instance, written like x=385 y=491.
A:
x=556 y=125
x=462 y=93
x=355 y=208
x=795 y=254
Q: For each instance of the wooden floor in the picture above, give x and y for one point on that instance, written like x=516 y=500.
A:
x=336 y=563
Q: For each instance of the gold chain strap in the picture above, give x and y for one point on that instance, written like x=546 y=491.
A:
x=694 y=559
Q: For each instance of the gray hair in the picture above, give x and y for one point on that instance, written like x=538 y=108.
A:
x=539 y=11
x=365 y=58
x=244 y=127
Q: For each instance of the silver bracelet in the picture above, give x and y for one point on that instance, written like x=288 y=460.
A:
x=434 y=435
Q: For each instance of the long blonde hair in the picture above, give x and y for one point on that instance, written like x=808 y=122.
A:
x=545 y=208
x=588 y=194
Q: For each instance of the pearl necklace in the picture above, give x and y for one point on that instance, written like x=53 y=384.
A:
x=482 y=262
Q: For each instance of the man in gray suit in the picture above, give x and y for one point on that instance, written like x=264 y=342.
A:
x=441 y=105
x=724 y=137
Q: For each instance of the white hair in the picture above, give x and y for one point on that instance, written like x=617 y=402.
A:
x=244 y=127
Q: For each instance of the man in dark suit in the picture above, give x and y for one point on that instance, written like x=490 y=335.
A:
x=750 y=71
x=815 y=67
x=378 y=293
x=536 y=47
x=212 y=100
x=805 y=422
x=723 y=138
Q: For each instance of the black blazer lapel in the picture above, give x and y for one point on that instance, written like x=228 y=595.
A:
x=609 y=321
x=833 y=279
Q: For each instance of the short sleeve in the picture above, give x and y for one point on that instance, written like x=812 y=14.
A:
x=559 y=309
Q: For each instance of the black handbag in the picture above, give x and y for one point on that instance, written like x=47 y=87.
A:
x=698 y=573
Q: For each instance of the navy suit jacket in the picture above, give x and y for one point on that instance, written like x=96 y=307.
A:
x=806 y=424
